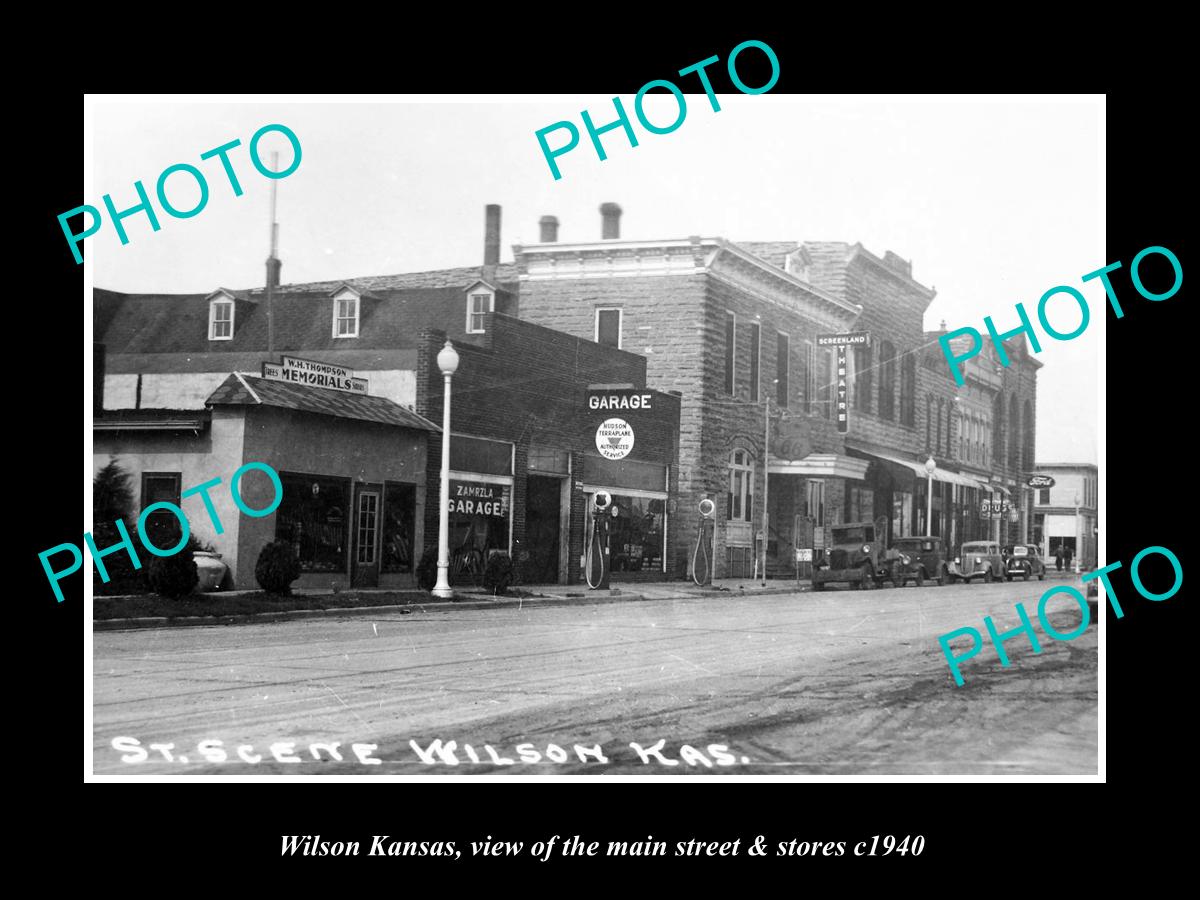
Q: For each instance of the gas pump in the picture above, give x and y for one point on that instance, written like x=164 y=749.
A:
x=597 y=553
x=702 y=567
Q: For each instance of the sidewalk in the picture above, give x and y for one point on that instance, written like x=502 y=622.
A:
x=546 y=595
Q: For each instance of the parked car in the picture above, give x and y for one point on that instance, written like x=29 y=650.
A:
x=855 y=556
x=926 y=558
x=978 y=559
x=1024 y=560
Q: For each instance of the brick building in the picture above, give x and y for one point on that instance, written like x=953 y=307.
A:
x=736 y=336
x=734 y=327
x=523 y=431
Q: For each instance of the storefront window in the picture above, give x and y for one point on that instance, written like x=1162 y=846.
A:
x=479 y=512
x=399 y=501
x=313 y=517
x=860 y=504
x=637 y=534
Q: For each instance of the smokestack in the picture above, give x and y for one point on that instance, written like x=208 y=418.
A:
x=273 y=267
x=491 y=242
x=549 y=226
x=610 y=215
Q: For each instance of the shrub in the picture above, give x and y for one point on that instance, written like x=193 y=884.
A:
x=277 y=568
x=112 y=496
x=499 y=573
x=427 y=570
x=173 y=576
x=123 y=578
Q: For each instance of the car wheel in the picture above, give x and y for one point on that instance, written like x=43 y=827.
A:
x=920 y=579
x=868 y=580
x=1042 y=577
x=818 y=585
x=1025 y=574
x=1008 y=576
x=987 y=575
x=898 y=578
x=943 y=577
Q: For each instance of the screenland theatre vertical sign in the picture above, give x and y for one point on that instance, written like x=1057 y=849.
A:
x=840 y=343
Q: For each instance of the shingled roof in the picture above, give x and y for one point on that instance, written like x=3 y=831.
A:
x=251 y=390
x=390 y=319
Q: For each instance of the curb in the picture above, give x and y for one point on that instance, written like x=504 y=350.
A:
x=589 y=598
x=351 y=611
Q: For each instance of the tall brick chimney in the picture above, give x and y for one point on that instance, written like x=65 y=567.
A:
x=491 y=242
x=610 y=218
x=549 y=226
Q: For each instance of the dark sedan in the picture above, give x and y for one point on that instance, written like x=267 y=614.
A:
x=1023 y=561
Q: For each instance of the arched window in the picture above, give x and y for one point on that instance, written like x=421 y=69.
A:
x=908 y=390
x=887 y=380
x=1014 y=431
x=741 y=486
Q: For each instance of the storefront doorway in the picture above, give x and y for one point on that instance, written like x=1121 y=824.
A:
x=543 y=529
x=364 y=569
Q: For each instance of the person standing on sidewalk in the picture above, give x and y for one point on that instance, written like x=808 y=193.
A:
x=1058 y=556
x=1067 y=558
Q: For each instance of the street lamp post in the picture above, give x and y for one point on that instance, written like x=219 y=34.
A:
x=1079 y=538
x=447 y=360
x=930 y=468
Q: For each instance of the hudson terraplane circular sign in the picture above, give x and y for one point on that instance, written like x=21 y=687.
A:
x=614 y=438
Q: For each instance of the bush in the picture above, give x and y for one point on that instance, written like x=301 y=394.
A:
x=173 y=576
x=123 y=578
x=427 y=570
x=499 y=573
x=277 y=567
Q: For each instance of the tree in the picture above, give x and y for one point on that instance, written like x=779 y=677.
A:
x=112 y=496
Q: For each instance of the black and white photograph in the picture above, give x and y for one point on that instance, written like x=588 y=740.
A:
x=530 y=437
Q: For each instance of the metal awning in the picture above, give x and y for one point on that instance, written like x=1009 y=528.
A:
x=939 y=474
x=821 y=465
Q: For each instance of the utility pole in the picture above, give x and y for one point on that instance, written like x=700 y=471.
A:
x=766 y=481
x=271 y=261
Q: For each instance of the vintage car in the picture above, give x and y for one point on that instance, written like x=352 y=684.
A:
x=1022 y=561
x=856 y=555
x=978 y=559
x=919 y=558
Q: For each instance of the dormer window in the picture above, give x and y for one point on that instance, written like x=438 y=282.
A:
x=479 y=304
x=797 y=263
x=220 y=320
x=345 y=316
